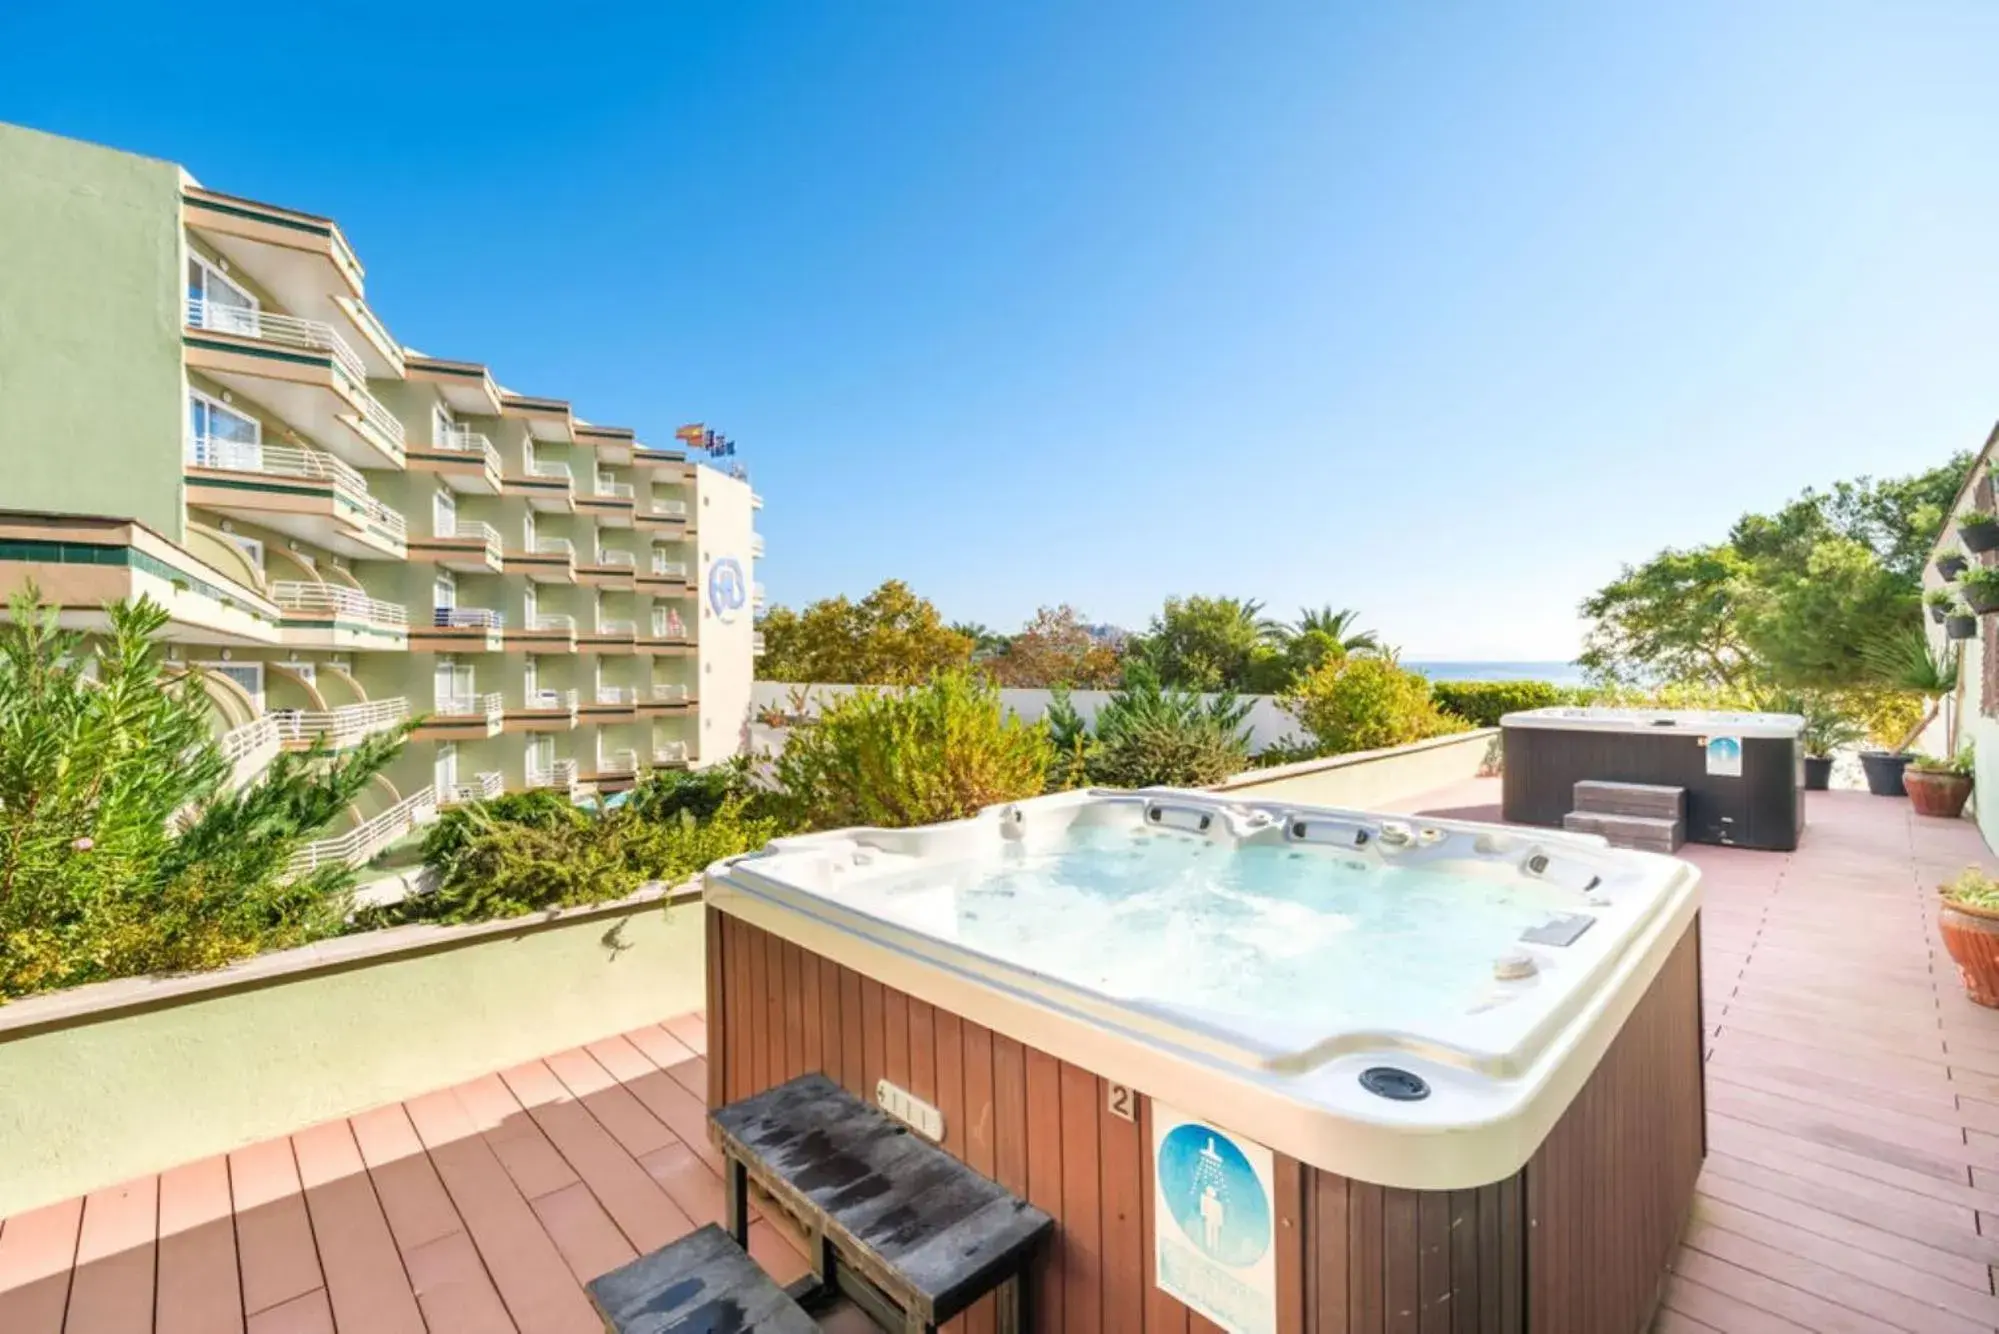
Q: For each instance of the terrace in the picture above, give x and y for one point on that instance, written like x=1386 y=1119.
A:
x=1853 y=1103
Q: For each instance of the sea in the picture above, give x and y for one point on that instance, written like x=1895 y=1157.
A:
x=1561 y=673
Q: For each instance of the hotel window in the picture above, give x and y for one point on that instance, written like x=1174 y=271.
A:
x=527 y=532
x=444 y=591
x=441 y=425
x=443 y=513
x=249 y=675
x=527 y=607
x=444 y=773
x=531 y=678
x=213 y=302
x=220 y=437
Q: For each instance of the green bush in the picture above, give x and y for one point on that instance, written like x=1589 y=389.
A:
x=1484 y=703
x=542 y=808
x=1366 y=703
x=1149 y=736
x=938 y=751
x=122 y=849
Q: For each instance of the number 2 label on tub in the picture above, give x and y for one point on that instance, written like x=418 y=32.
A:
x=1212 y=1222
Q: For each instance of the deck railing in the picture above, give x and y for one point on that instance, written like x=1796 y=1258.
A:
x=483 y=787
x=291 y=461
x=365 y=841
x=467 y=618
x=490 y=705
x=472 y=530
x=345 y=726
x=347 y=604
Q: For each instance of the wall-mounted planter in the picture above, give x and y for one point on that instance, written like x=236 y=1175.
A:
x=1960 y=627
x=1982 y=596
x=1951 y=566
x=1938 y=613
x=1979 y=536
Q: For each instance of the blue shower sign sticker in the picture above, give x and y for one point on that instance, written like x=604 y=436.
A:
x=1724 y=756
x=1212 y=1229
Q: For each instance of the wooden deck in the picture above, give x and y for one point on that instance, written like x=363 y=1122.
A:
x=1852 y=1183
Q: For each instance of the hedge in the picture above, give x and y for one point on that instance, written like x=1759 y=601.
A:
x=1483 y=703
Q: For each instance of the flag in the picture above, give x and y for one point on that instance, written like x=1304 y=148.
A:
x=708 y=440
x=689 y=434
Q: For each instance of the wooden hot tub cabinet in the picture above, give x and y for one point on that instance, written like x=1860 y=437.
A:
x=1576 y=1242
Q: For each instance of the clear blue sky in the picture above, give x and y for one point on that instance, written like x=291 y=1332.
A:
x=1439 y=311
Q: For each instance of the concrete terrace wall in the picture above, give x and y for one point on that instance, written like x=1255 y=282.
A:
x=104 y=1083
x=90 y=319
x=1373 y=779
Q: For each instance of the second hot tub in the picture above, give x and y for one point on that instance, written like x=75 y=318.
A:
x=1259 y=1061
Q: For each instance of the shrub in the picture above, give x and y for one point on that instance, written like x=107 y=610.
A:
x=539 y=809
x=1484 y=703
x=938 y=751
x=1365 y=703
x=665 y=793
x=1148 y=736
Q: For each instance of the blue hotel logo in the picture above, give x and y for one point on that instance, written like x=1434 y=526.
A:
x=728 y=590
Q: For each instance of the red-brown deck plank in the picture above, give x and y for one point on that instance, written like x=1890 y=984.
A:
x=365 y=1282
x=199 y=1292
x=274 y=1243
x=113 y=1289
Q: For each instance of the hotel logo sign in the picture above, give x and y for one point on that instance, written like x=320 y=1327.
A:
x=728 y=590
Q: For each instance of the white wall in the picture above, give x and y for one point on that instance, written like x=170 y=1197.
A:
x=727 y=667
x=1268 y=723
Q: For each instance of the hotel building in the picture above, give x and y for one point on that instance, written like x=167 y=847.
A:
x=202 y=408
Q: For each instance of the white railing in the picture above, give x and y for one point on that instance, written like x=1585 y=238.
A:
x=670 y=694
x=376 y=415
x=617 y=695
x=671 y=752
x=616 y=558
x=489 y=705
x=757 y=642
x=612 y=627
x=551 y=700
x=624 y=761
x=666 y=509
x=553 y=622
x=483 y=787
x=756 y=544
x=562 y=773
x=282 y=330
x=756 y=594
x=471 y=530
x=549 y=468
x=615 y=490
x=668 y=627
x=467 y=618
x=470 y=442
x=291 y=461
x=555 y=546
x=339 y=602
x=346 y=725
x=365 y=841
x=249 y=748
x=669 y=569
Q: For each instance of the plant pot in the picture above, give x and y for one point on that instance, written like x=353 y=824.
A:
x=1936 y=793
x=1979 y=536
x=1982 y=598
x=1818 y=773
x=1960 y=627
x=1972 y=937
x=1884 y=772
x=1950 y=567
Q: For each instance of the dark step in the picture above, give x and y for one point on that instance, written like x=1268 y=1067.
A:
x=1654 y=801
x=701 y=1284
x=1641 y=832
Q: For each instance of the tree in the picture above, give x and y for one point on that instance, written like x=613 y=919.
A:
x=889 y=637
x=1201 y=643
x=1055 y=649
x=1336 y=624
x=986 y=641
x=1674 y=617
x=1366 y=703
x=1907 y=663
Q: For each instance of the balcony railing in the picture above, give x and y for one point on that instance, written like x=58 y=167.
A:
x=614 y=490
x=489 y=705
x=617 y=695
x=756 y=594
x=346 y=725
x=291 y=461
x=280 y=330
x=560 y=773
x=615 y=627
x=670 y=752
x=757 y=642
x=756 y=544
x=467 y=618
x=378 y=416
x=553 y=623
x=555 y=546
x=365 y=841
x=470 y=442
x=249 y=748
x=664 y=694
x=666 y=509
x=669 y=569
x=483 y=787
x=341 y=603
x=551 y=700
x=549 y=468
x=668 y=627
x=616 y=558
x=617 y=761
x=472 y=530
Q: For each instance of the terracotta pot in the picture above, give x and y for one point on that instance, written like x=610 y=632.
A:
x=1938 y=794
x=1972 y=937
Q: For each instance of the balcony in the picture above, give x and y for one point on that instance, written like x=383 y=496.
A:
x=483 y=787
x=365 y=842
x=463 y=460
x=466 y=545
x=543 y=711
x=547 y=487
x=663 y=577
x=463 y=717
x=612 y=704
x=609 y=502
x=670 y=515
x=612 y=444
x=665 y=699
x=672 y=461
x=341 y=728
x=249 y=749
x=461 y=630
x=666 y=633
x=552 y=561
x=756 y=544
x=561 y=774
x=545 y=632
x=672 y=755
x=299 y=492
x=756 y=594
x=757 y=643
x=609 y=569
x=299 y=369
x=333 y=616
x=610 y=636
x=615 y=768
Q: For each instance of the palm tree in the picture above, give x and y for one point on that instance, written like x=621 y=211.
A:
x=1907 y=662
x=1336 y=624
x=986 y=641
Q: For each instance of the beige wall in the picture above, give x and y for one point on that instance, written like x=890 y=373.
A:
x=1373 y=780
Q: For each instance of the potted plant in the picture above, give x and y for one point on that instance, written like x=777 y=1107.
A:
x=1960 y=622
x=1978 y=530
x=1969 y=915
x=1906 y=662
x=1939 y=601
x=1952 y=563
x=1939 y=787
x=1826 y=730
x=1980 y=588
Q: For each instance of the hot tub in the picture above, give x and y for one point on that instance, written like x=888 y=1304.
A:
x=1744 y=773
x=1429 y=1065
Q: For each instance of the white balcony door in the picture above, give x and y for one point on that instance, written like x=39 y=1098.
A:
x=220 y=437
x=443 y=513
x=527 y=532
x=441 y=424
x=214 y=302
x=527 y=606
x=453 y=681
x=444 y=769
x=531 y=678
x=444 y=591
x=541 y=755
